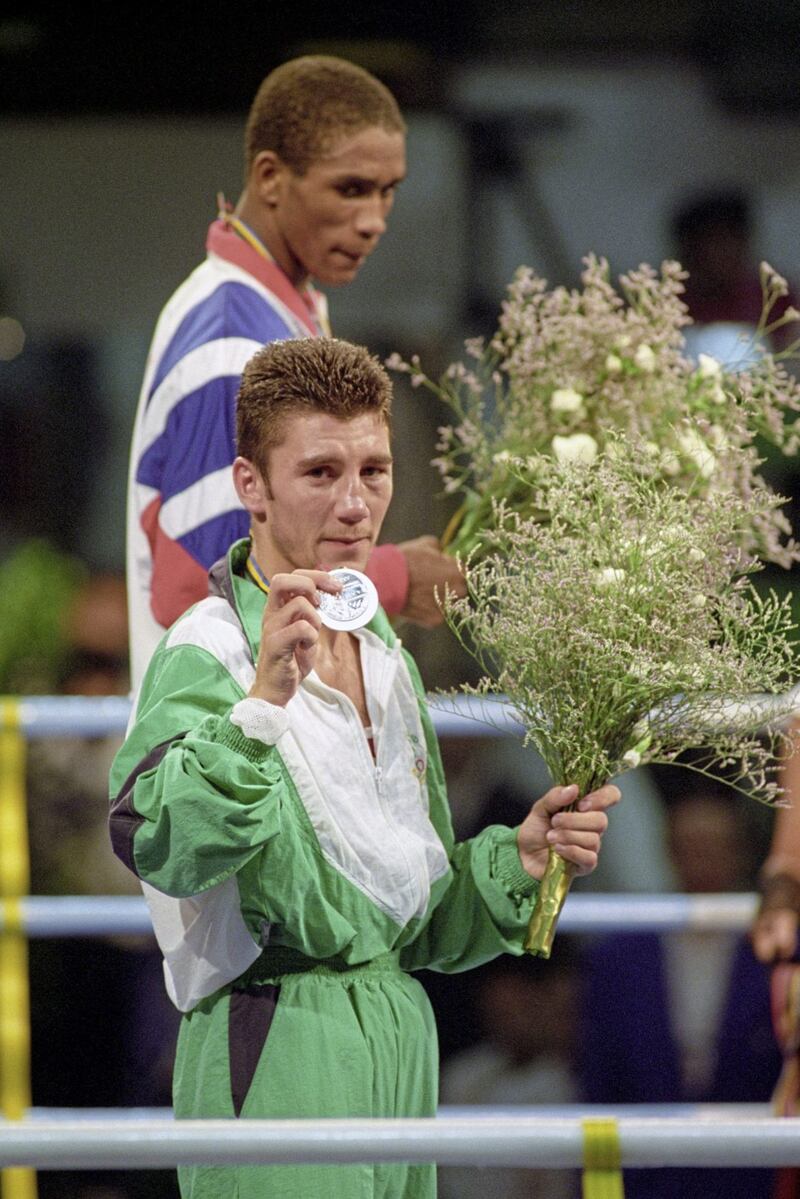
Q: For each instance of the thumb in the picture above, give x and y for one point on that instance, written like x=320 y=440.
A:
x=559 y=797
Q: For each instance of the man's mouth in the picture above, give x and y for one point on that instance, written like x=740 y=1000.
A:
x=355 y=259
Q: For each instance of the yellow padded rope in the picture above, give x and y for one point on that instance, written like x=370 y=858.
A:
x=602 y=1160
x=14 y=872
x=15 y=1035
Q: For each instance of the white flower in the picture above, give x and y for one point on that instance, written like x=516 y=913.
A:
x=699 y=600
x=695 y=448
x=578 y=447
x=645 y=359
x=501 y=457
x=718 y=394
x=613 y=364
x=708 y=367
x=609 y=576
x=631 y=759
x=668 y=538
x=566 y=399
x=696 y=555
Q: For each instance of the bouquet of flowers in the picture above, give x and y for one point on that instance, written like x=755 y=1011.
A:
x=612 y=518
x=566 y=369
x=623 y=629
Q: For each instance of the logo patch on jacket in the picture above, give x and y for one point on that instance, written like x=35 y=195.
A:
x=418 y=757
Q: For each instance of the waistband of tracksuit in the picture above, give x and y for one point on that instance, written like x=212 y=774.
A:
x=278 y=961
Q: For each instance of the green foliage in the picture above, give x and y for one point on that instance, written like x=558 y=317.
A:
x=37 y=585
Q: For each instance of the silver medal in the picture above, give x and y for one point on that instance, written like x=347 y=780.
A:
x=354 y=606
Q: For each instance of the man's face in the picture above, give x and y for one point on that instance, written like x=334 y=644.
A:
x=330 y=219
x=328 y=487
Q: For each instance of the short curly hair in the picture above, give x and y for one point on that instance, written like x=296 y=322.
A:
x=307 y=375
x=305 y=104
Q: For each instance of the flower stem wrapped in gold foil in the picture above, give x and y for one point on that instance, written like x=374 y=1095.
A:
x=553 y=890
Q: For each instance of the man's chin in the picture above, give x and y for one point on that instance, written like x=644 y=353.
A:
x=338 y=272
x=338 y=278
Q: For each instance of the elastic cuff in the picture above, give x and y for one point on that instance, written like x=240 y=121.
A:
x=508 y=871
x=232 y=737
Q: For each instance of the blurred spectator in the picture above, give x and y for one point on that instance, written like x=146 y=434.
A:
x=68 y=776
x=52 y=410
x=775 y=940
x=713 y=235
x=684 y=1017
x=527 y=1011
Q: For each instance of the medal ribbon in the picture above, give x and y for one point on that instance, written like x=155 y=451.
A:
x=257 y=574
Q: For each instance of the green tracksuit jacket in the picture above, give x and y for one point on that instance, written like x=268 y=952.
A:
x=294 y=881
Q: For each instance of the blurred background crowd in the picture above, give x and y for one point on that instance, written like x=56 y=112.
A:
x=537 y=133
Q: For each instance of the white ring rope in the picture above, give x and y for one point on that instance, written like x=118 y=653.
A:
x=720 y=1112
x=535 y=1142
x=97 y=915
x=90 y=716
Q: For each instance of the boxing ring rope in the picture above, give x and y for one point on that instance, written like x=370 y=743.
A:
x=107 y=915
x=497 y=1140
x=90 y=716
x=599 y=1140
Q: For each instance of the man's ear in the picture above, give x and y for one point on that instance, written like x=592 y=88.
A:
x=266 y=177
x=251 y=486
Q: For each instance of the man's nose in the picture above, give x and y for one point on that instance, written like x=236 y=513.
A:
x=352 y=505
x=371 y=218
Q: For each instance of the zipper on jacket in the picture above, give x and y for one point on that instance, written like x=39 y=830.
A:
x=414 y=875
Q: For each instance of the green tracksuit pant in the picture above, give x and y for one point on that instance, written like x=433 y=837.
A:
x=287 y=1042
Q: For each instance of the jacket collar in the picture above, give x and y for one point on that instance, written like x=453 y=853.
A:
x=228 y=578
x=306 y=304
